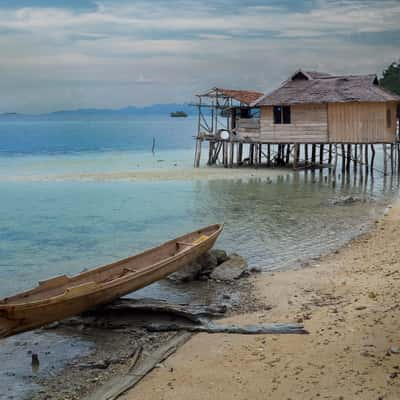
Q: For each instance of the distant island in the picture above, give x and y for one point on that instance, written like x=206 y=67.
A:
x=179 y=114
x=168 y=110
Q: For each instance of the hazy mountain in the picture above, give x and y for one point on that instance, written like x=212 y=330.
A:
x=155 y=109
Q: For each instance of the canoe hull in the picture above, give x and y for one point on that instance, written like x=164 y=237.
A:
x=20 y=318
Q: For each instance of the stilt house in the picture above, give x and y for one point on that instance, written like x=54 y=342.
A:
x=310 y=108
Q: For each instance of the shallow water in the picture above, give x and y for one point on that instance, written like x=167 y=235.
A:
x=48 y=228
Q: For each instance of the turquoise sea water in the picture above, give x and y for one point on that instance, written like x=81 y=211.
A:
x=52 y=226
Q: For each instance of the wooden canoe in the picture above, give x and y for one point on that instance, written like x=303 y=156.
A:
x=64 y=296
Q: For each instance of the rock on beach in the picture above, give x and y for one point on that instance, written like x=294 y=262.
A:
x=231 y=269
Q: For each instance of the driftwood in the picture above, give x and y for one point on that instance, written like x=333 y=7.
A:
x=210 y=327
x=192 y=312
x=119 y=385
x=135 y=358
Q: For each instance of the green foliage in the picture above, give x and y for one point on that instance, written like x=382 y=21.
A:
x=391 y=78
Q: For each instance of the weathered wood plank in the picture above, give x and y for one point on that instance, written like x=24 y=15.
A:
x=119 y=385
x=211 y=327
x=191 y=312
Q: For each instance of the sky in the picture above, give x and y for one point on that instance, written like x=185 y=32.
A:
x=113 y=53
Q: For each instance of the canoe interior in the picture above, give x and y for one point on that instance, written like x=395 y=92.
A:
x=105 y=275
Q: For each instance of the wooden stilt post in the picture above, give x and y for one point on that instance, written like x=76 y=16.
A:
x=240 y=153
x=296 y=156
x=336 y=157
x=259 y=153
x=225 y=153
x=298 y=153
x=313 y=151
x=305 y=155
x=280 y=154
x=321 y=154
x=251 y=153
x=217 y=151
x=391 y=159
x=348 y=158
x=355 y=158
x=361 y=159
x=372 y=158
x=287 y=154
x=210 y=151
x=398 y=158
x=330 y=155
x=231 y=153
x=198 y=153
x=255 y=156
x=343 y=159
x=268 y=155
x=366 y=158
x=384 y=160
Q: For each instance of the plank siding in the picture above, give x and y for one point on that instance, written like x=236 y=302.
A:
x=326 y=123
x=309 y=124
x=361 y=122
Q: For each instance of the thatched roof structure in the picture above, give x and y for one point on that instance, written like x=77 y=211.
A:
x=307 y=87
x=243 y=96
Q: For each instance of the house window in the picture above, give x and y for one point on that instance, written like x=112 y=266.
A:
x=388 y=118
x=282 y=115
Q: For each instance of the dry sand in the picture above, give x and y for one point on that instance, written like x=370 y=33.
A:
x=349 y=302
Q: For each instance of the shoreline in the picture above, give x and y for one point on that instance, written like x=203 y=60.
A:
x=348 y=300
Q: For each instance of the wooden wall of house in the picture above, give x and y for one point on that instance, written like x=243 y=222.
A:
x=362 y=122
x=309 y=124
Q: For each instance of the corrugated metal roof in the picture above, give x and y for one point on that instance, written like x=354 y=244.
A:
x=323 y=88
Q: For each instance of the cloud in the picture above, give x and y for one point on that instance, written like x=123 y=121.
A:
x=53 y=54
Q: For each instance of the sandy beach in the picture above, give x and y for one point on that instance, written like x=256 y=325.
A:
x=167 y=174
x=349 y=303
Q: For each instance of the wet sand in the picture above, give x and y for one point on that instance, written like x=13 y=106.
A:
x=349 y=302
x=173 y=174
